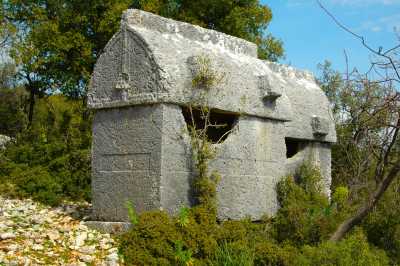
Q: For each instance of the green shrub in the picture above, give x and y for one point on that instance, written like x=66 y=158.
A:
x=37 y=183
x=270 y=253
x=306 y=215
x=159 y=239
x=51 y=160
x=296 y=236
x=354 y=250
x=151 y=241
x=182 y=256
x=233 y=254
x=13 y=120
x=382 y=226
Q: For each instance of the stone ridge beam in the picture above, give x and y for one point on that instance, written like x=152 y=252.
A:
x=188 y=31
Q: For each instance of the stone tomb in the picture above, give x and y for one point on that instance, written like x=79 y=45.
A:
x=140 y=90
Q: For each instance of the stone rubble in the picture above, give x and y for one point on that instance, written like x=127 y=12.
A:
x=35 y=234
x=3 y=141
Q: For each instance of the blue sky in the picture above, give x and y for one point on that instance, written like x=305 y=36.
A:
x=310 y=36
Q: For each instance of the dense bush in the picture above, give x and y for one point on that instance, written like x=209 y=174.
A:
x=306 y=215
x=12 y=111
x=296 y=236
x=50 y=160
x=382 y=226
x=354 y=250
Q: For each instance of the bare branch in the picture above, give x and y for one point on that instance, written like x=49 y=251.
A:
x=378 y=52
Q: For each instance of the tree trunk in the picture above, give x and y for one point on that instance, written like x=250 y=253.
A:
x=31 y=106
x=366 y=208
x=86 y=111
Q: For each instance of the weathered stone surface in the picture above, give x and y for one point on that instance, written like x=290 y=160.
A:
x=126 y=161
x=141 y=149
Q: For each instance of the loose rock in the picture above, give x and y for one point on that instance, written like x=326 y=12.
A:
x=7 y=236
x=34 y=234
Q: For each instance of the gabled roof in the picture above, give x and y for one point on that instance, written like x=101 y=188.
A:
x=154 y=60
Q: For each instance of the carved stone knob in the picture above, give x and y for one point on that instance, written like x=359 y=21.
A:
x=320 y=126
x=269 y=92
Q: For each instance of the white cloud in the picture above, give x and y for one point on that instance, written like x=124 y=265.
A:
x=376 y=29
x=364 y=2
x=388 y=23
x=377 y=24
x=295 y=3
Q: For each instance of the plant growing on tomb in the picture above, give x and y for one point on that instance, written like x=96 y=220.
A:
x=203 y=151
x=204 y=74
x=132 y=215
x=204 y=77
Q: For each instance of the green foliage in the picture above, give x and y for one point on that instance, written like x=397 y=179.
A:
x=62 y=39
x=205 y=182
x=233 y=254
x=305 y=216
x=247 y=19
x=7 y=75
x=183 y=218
x=340 y=196
x=133 y=217
x=382 y=226
x=363 y=111
x=51 y=160
x=159 y=239
x=268 y=252
x=331 y=81
x=183 y=257
x=12 y=116
x=151 y=241
x=58 y=42
x=351 y=251
x=35 y=182
x=354 y=250
x=7 y=30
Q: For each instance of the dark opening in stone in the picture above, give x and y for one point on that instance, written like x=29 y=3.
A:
x=220 y=123
x=294 y=146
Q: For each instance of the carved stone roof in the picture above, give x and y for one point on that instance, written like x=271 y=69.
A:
x=153 y=60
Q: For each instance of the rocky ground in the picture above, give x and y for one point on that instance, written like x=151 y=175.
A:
x=34 y=234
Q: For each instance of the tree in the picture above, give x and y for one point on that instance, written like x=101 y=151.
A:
x=366 y=155
x=369 y=116
x=28 y=58
x=12 y=115
x=247 y=19
x=12 y=102
x=58 y=42
x=7 y=30
x=65 y=37
x=7 y=75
